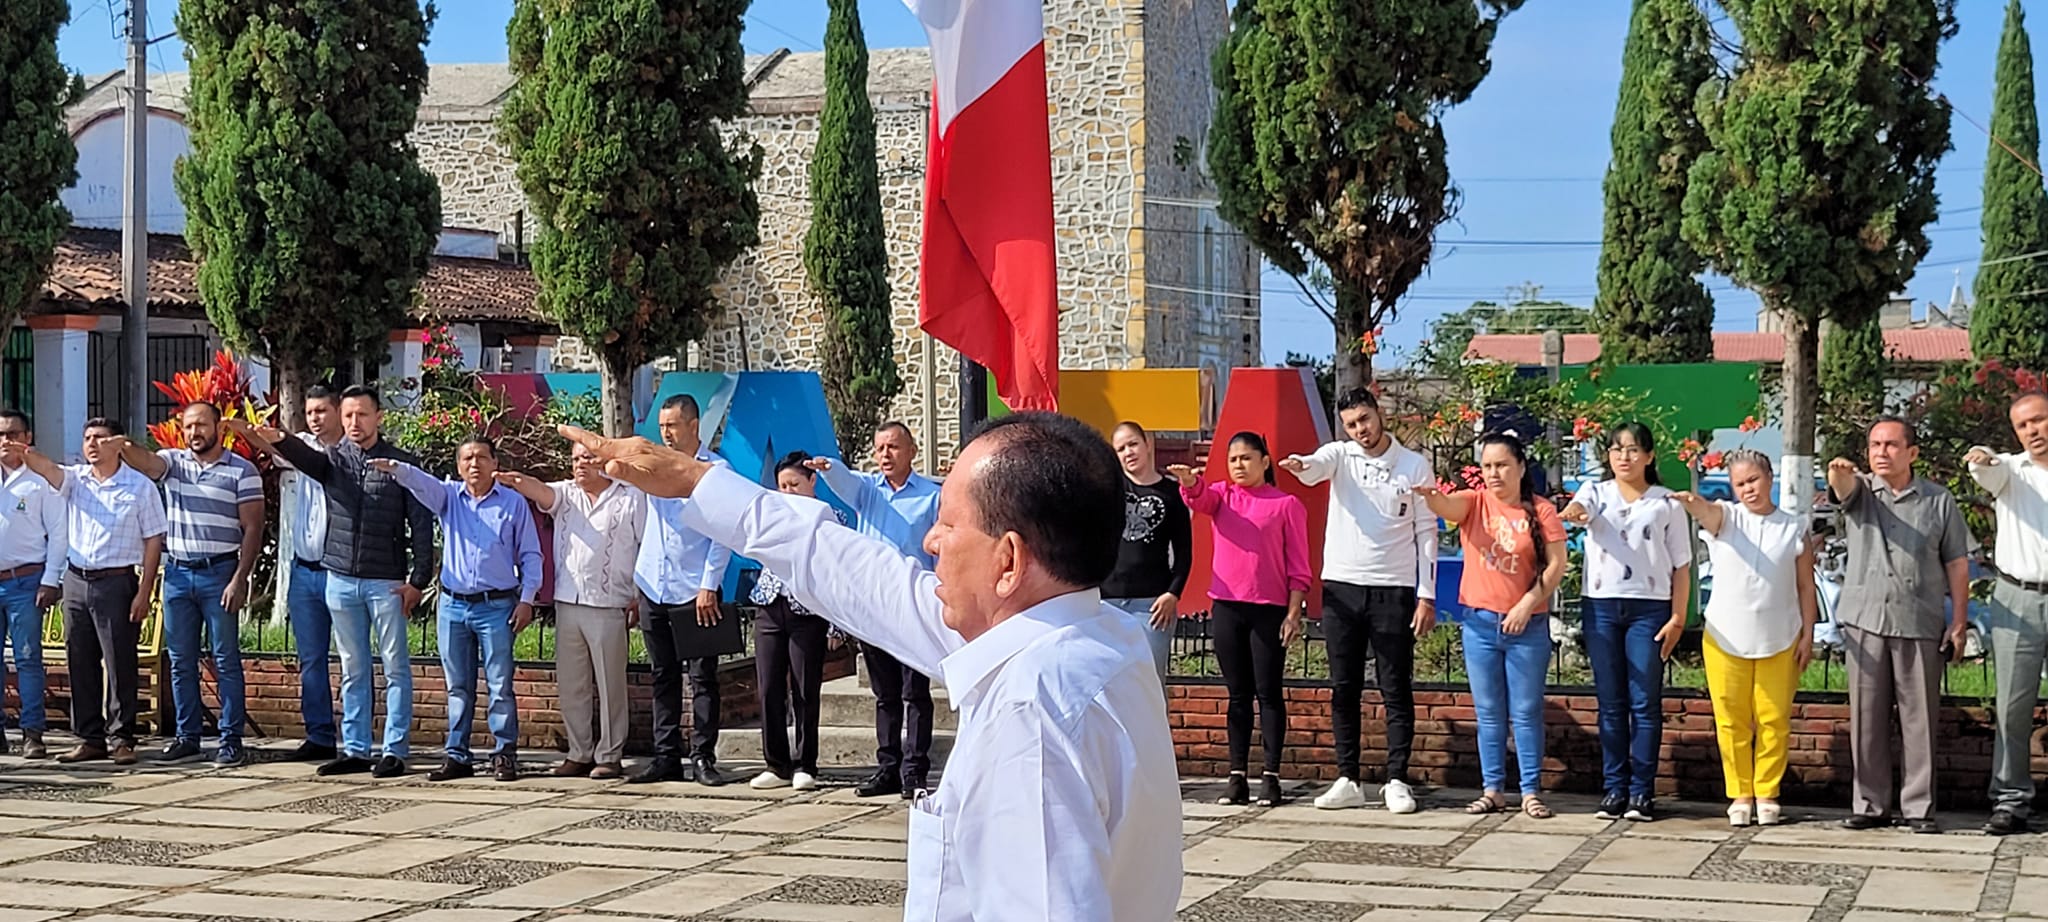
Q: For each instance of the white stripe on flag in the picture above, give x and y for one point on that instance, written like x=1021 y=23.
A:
x=974 y=43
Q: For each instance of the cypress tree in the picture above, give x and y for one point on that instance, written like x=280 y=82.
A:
x=37 y=160
x=618 y=124
x=2010 y=319
x=1651 y=307
x=1853 y=369
x=304 y=199
x=845 y=250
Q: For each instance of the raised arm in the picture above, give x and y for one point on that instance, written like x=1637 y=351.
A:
x=1312 y=468
x=41 y=464
x=425 y=487
x=1451 y=507
x=856 y=491
x=1704 y=511
x=1843 y=481
x=1989 y=470
x=310 y=461
x=1200 y=497
x=145 y=462
x=542 y=495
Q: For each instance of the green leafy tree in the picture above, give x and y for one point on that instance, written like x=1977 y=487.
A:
x=1819 y=183
x=618 y=125
x=1652 y=307
x=2010 y=319
x=1443 y=353
x=1853 y=371
x=37 y=160
x=845 y=251
x=1328 y=144
x=304 y=200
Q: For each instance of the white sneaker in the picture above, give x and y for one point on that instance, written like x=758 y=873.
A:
x=1343 y=793
x=1398 y=797
x=768 y=781
x=803 y=781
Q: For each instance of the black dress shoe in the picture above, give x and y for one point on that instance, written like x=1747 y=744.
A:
x=346 y=765
x=662 y=768
x=708 y=774
x=505 y=767
x=881 y=784
x=913 y=786
x=1925 y=826
x=2005 y=823
x=450 y=770
x=388 y=767
x=1866 y=821
x=311 y=752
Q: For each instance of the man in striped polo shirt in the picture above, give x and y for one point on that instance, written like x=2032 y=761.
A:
x=213 y=501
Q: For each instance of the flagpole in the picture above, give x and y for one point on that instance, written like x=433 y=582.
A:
x=973 y=396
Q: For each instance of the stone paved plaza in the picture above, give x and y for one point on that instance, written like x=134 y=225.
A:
x=270 y=841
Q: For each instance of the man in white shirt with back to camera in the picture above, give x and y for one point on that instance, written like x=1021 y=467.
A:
x=1061 y=799
x=1379 y=587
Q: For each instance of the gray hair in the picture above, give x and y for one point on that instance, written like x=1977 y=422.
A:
x=1747 y=456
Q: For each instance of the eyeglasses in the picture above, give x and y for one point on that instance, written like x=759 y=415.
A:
x=1632 y=450
x=13 y=433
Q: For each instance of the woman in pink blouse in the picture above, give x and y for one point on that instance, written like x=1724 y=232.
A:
x=1258 y=586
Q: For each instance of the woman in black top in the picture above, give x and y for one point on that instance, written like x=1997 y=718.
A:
x=1152 y=563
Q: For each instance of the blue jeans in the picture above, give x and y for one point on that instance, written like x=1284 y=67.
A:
x=467 y=630
x=1162 y=641
x=313 y=634
x=1506 y=672
x=360 y=606
x=1628 y=679
x=192 y=603
x=21 y=623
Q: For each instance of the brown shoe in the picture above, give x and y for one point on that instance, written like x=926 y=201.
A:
x=570 y=768
x=608 y=771
x=32 y=745
x=122 y=754
x=86 y=752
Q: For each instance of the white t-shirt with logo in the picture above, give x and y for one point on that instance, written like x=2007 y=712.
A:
x=1754 y=610
x=1632 y=548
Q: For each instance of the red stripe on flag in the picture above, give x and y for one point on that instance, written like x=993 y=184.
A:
x=988 y=285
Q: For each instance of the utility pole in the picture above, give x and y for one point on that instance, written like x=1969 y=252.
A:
x=135 y=229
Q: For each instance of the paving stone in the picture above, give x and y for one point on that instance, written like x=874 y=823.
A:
x=795 y=818
x=1215 y=811
x=850 y=848
x=176 y=791
x=2034 y=866
x=1420 y=915
x=391 y=856
x=523 y=823
x=1378 y=835
x=181 y=835
x=454 y=794
x=434 y=817
x=797 y=866
x=1932 y=891
x=281 y=850
x=695 y=894
x=119 y=917
x=2030 y=894
x=231 y=819
x=1517 y=851
x=776 y=911
x=297 y=909
x=894 y=824
x=1197 y=827
x=1194 y=889
x=28 y=915
x=1651 y=857
x=708 y=805
x=1868 y=857
x=1832 y=836
x=1700 y=828
x=1235 y=857
x=273 y=795
x=567 y=888
x=16 y=825
x=1563 y=824
x=60 y=809
x=18 y=848
x=469 y=915
x=1572 y=904
x=652 y=859
x=1395 y=874
x=402 y=891
x=1313 y=816
x=1379 y=895
x=1745 y=892
x=86 y=872
x=65 y=896
x=643 y=838
x=1880 y=915
x=276 y=770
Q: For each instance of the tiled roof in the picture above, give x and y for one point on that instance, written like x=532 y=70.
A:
x=1948 y=344
x=87 y=278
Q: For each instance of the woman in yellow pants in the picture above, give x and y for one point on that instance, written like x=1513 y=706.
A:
x=1759 y=631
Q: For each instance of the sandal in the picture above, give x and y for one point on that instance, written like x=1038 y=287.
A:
x=1487 y=803
x=1535 y=808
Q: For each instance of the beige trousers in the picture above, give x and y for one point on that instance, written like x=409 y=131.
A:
x=590 y=675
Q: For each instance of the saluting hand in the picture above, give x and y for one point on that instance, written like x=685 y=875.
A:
x=657 y=471
x=1575 y=514
x=821 y=465
x=1980 y=457
x=1183 y=473
x=1842 y=466
x=1293 y=464
x=384 y=465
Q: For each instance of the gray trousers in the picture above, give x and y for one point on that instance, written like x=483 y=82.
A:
x=2019 y=634
x=1887 y=672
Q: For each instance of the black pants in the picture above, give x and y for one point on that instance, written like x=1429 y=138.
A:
x=1248 y=650
x=899 y=688
x=98 y=640
x=1379 y=620
x=789 y=646
x=671 y=662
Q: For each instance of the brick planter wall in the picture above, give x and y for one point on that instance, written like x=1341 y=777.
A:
x=1446 y=742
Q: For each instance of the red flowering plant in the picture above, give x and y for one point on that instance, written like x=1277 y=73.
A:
x=1961 y=405
x=226 y=384
x=454 y=402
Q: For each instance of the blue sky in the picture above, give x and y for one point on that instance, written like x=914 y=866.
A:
x=1528 y=149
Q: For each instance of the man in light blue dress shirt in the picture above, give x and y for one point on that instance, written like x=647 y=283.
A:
x=679 y=573
x=490 y=574
x=896 y=505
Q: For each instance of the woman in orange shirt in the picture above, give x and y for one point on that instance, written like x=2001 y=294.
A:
x=1514 y=559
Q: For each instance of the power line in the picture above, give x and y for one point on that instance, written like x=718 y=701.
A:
x=792 y=36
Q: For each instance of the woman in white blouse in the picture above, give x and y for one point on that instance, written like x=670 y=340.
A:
x=1759 y=631
x=1637 y=594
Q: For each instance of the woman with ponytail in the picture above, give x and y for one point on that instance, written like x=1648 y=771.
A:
x=1514 y=559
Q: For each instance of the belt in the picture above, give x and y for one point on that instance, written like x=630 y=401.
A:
x=2023 y=584
x=312 y=565
x=488 y=595
x=205 y=563
x=27 y=569
x=104 y=573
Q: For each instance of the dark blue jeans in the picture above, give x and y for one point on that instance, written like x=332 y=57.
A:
x=1628 y=679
